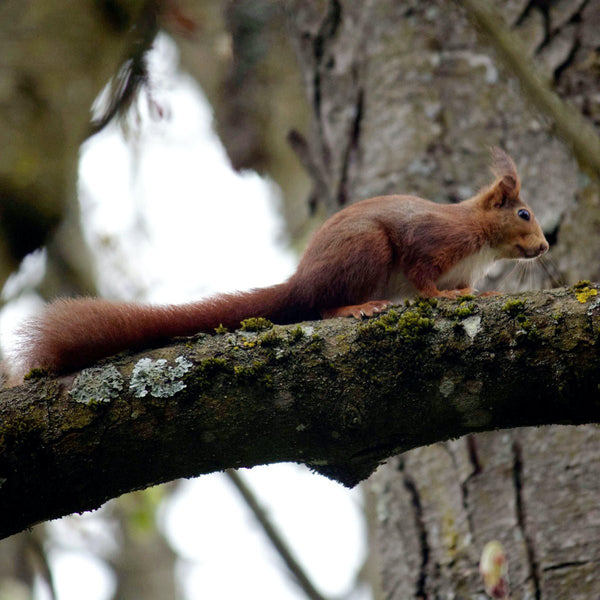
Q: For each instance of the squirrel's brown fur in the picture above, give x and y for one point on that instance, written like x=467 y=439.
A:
x=368 y=254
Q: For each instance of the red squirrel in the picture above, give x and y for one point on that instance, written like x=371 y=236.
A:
x=362 y=259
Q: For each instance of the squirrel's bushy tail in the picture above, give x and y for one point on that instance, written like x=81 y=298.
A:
x=72 y=333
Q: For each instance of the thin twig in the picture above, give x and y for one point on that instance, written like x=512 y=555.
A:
x=40 y=557
x=133 y=74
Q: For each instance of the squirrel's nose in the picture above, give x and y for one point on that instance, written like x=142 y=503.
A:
x=543 y=248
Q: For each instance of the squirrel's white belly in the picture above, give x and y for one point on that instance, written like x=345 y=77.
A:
x=464 y=273
x=469 y=270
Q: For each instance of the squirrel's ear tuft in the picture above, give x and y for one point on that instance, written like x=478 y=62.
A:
x=505 y=189
x=502 y=164
x=505 y=171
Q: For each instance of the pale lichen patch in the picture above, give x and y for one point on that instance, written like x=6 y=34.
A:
x=284 y=400
x=446 y=387
x=98 y=384
x=208 y=437
x=472 y=325
x=468 y=403
x=443 y=325
x=593 y=306
x=307 y=330
x=157 y=378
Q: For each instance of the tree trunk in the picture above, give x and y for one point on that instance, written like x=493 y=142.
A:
x=407 y=98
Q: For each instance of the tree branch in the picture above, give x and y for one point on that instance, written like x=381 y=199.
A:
x=339 y=395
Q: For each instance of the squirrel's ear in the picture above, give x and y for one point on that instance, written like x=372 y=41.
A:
x=507 y=179
x=501 y=192
x=507 y=186
x=493 y=197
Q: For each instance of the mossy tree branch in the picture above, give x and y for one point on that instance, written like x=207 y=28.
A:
x=340 y=396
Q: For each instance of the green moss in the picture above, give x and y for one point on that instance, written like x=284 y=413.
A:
x=527 y=329
x=243 y=371
x=13 y=429
x=426 y=304
x=267 y=380
x=464 y=309
x=387 y=322
x=35 y=373
x=316 y=343
x=254 y=372
x=210 y=367
x=20 y=430
x=410 y=325
x=581 y=284
x=465 y=298
x=214 y=364
x=255 y=324
x=514 y=307
x=296 y=334
x=221 y=329
x=270 y=339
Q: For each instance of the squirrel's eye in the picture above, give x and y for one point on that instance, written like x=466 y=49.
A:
x=524 y=214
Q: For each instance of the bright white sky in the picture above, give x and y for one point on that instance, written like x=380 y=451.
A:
x=169 y=222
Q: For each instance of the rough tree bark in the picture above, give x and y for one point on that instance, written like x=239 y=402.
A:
x=406 y=97
x=339 y=395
